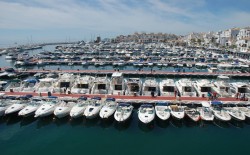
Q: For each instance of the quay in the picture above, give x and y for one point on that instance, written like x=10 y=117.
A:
x=232 y=74
x=125 y=98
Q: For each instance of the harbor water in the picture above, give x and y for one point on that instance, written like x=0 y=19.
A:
x=22 y=136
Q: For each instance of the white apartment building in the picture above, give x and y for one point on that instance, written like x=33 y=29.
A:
x=243 y=40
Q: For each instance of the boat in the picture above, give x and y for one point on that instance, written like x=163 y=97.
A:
x=205 y=111
x=29 y=85
x=150 y=87
x=234 y=112
x=31 y=108
x=64 y=83
x=93 y=108
x=11 y=56
x=101 y=86
x=2 y=85
x=134 y=86
x=192 y=113
x=185 y=88
x=167 y=87
x=203 y=87
x=16 y=106
x=82 y=85
x=162 y=111
x=222 y=87
x=47 y=108
x=123 y=112
x=117 y=84
x=239 y=88
x=63 y=108
x=45 y=85
x=219 y=112
x=177 y=111
x=109 y=108
x=14 y=86
x=4 y=104
x=79 y=108
x=245 y=110
x=146 y=113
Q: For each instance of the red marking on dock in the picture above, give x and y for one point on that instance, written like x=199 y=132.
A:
x=122 y=97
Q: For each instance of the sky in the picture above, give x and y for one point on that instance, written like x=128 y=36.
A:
x=36 y=21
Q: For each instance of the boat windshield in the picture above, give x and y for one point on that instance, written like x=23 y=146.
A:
x=134 y=88
x=150 y=89
x=188 y=89
x=101 y=86
x=118 y=87
x=168 y=88
x=83 y=86
x=205 y=89
x=150 y=111
x=242 y=90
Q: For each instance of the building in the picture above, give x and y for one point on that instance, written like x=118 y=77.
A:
x=243 y=40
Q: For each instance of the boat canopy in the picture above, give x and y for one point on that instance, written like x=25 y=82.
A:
x=82 y=98
x=216 y=103
x=10 y=97
x=110 y=99
x=52 y=97
x=146 y=105
x=162 y=103
x=31 y=80
x=124 y=104
x=96 y=98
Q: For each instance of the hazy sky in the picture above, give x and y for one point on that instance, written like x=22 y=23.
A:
x=25 y=21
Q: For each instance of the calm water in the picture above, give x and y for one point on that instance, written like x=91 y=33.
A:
x=21 y=136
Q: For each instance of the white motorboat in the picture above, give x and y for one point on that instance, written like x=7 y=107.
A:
x=4 y=104
x=134 y=86
x=93 y=108
x=177 y=111
x=14 y=86
x=78 y=109
x=240 y=87
x=2 y=85
x=29 y=85
x=167 y=87
x=117 y=84
x=162 y=111
x=219 y=112
x=203 y=87
x=109 y=108
x=31 y=108
x=101 y=86
x=146 y=113
x=192 y=113
x=63 y=109
x=16 y=106
x=150 y=86
x=185 y=88
x=83 y=85
x=11 y=56
x=235 y=113
x=245 y=110
x=64 y=83
x=222 y=87
x=47 y=108
x=123 y=112
x=45 y=85
x=206 y=113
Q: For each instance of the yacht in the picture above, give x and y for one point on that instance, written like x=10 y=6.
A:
x=203 y=87
x=14 y=86
x=206 y=113
x=93 y=108
x=162 y=111
x=63 y=109
x=167 y=87
x=109 y=108
x=134 y=86
x=185 y=88
x=235 y=113
x=79 y=108
x=149 y=86
x=245 y=110
x=83 y=85
x=4 y=104
x=222 y=87
x=64 y=83
x=192 y=113
x=2 y=85
x=31 y=107
x=45 y=85
x=117 y=84
x=11 y=56
x=16 y=106
x=101 y=86
x=29 y=85
x=177 y=111
x=47 y=108
x=219 y=112
x=146 y=113
x=239 y=87
x=123 y=112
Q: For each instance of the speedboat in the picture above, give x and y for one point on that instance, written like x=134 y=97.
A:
x=4 y=104
x=123 y=112
x=219 y=112
x=101 y=86
x=79 y=108
x=203 y=87
x=45 y=85
x=167 y=87
x=150 y=86
x=162 y=110
x=192 y=113
x=109 y=108
x=31 y=107
x=47 y=108
x=146 y=113
x=235 y=113
x=63 y=109
x=93 y=108
x=134 y=86
x=117 y=84
x=29 y=85
x=64 y=83
x=206 y=113
x=240 y=87
x=82 y=85
x=186 y=88
x=177 y=111
x=16 y=106
x=14 y=86
x=222 y=87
